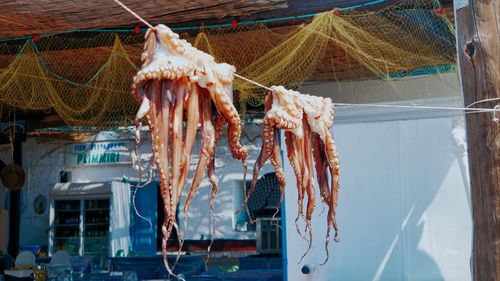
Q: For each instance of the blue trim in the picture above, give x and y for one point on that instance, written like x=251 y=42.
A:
x=426 y=70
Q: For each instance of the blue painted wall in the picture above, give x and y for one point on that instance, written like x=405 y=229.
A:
x=143 y=230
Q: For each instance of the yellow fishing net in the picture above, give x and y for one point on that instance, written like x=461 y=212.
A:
x=86 y=80
x=81 y=91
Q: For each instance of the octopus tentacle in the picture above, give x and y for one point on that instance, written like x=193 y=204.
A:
x=278 y=167
x=294 y=162
x=334 y=164
x=308 y=182
x=299 y=146
x=222 y=98
x=158 y=118
x=166 y=230
x=264 y=154
x=193 y=118
x=178 y=91
x=213 y=192
x=191 y=104
x=226 y=109
x=219 y=123
x=206 y=151
x=321 y=166
x=141 y=113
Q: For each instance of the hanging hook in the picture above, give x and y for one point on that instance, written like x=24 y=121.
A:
x=495 y=109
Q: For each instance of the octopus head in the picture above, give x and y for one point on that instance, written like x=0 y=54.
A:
x=286 y=113
x=167 y=57
x=319 y=113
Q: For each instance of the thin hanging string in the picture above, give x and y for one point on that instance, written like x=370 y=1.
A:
x=467 y=109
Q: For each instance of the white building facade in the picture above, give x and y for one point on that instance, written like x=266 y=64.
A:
x=404 y=202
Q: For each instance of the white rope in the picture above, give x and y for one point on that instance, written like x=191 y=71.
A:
x=466 y=110
x=253 y=82
x=481 y=101
x=134 y=14
x=415 y=106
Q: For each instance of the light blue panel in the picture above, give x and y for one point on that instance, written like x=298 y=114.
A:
x=403 y=209
x=370 y=210
x=369 y=213
x=438 y=224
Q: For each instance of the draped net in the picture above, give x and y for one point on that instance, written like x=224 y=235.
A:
x=86 y=77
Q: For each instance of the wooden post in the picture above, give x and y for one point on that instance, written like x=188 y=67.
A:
x=15 y=208
x=479 y=56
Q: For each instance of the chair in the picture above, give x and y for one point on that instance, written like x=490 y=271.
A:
x=25 y=258
x=81 y=264
x=59 y=264
x=60 y=258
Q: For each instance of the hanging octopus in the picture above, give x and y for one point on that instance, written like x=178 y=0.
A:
x=306 y=122
x=179 y=84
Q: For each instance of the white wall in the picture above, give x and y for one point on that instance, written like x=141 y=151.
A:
x=375 y=90
x=403 y=208
x=43 y=159
x=229 y=174
x=403 y=211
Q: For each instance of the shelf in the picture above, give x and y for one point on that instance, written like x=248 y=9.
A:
x=68 y=224
x=67 y=210
x=96 y=223
x=66 y=238
x=97 y=209
x=95 y=237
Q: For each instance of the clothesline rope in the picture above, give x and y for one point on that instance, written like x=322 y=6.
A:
x=466 y=110
x=133 y=13
x=417 y=106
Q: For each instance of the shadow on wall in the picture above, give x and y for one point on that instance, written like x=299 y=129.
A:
x=403 y=212
x=433 y=206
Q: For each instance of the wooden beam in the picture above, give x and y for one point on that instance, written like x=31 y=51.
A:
x=41 y=121
x=479 y=56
